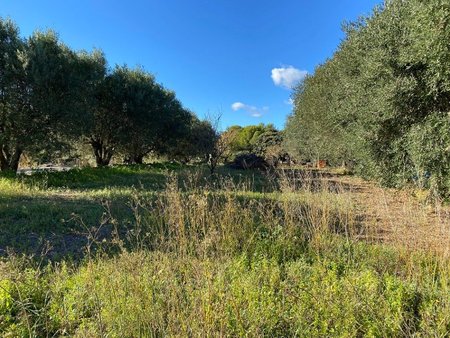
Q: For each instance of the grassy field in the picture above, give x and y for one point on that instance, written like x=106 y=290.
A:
x=166 y=250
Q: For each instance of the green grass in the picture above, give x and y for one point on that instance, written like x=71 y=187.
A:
x=150 y=177
x=35 y=208
x=179 y=253
x=152 y=293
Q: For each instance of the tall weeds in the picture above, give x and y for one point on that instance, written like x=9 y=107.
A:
x=215 y=258
x=233 y=219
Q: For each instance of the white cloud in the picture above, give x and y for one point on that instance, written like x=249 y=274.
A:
x=287 y=76
x=237 y=105
x=289 y=102
x=252 y=110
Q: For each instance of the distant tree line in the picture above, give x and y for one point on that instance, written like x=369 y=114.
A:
x=53 y=98
x=382 y=102
x=249 y=142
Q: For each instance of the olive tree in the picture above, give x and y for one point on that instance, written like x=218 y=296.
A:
x=41 y=94
x=197 y=142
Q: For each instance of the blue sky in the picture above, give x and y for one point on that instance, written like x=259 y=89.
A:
x=237 y=57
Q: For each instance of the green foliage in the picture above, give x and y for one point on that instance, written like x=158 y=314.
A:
x=428 y=145
x=246 y=137
x=144 y=294
x=40 y=96
x=52 y=99
x=374 y=101
x=135 y=116
x=11 y=50
x=261 y=140
x=197 y=142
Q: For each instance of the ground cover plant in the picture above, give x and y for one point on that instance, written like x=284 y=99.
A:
x=195 y=255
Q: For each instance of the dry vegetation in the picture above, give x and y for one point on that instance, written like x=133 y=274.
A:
x=407 y=217
x=232 y=256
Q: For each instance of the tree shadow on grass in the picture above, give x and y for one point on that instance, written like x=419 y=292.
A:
x=57 y=227
x=99 y=178
x=62 y=221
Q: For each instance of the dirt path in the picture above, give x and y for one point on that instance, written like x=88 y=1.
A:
x=398 y=216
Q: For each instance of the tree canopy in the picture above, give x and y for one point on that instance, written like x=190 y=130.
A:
x=52 y=98
x=382 y=100
x=261 y=140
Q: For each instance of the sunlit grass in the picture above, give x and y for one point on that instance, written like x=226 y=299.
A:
x=221 y=256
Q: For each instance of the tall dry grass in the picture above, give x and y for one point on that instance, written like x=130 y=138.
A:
x=215 y=258
x=226 y=217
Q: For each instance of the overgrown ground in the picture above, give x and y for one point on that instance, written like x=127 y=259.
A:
x=165 y=250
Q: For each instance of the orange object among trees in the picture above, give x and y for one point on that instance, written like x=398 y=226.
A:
x=321 y=164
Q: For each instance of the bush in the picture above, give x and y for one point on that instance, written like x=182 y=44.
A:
x=249 y=161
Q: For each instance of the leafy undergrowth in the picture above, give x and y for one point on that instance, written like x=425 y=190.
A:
x=344 y=290
x=219 y=258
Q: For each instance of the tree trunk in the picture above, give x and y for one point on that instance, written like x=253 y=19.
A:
x=212 y=163
x=138 y=159
x=15 y=159
x=3 y=161
x=9 y=161
x=134 y=159
x=102 y=153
